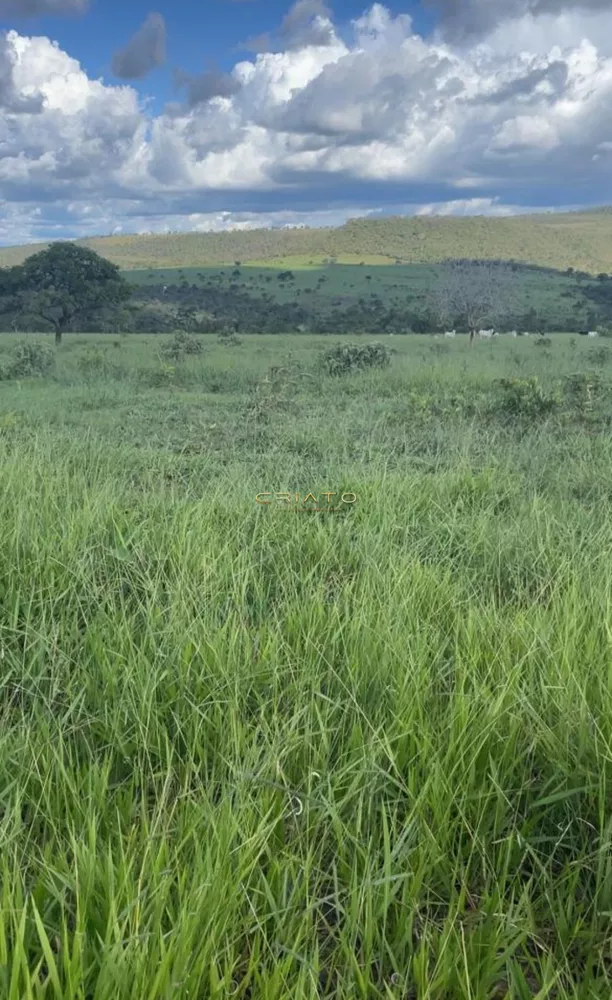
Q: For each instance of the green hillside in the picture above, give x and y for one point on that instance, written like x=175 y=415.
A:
x=392 y=294
x=582 y=240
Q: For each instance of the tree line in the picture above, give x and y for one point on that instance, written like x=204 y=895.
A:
x=71 y=288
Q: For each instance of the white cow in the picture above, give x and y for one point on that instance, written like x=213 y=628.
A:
x=526 y=334
x=486 y=334
x=593 y=333
x=450 y=333
x=513 y=333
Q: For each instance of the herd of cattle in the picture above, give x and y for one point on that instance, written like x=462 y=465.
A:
x=487 y=334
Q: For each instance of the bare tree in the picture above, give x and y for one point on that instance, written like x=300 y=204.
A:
x=471 y=294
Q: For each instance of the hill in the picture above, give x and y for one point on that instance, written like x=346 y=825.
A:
x=582 y=240
x=344 y=298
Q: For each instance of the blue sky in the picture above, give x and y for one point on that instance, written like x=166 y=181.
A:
x=127 y=117
x=198 y=35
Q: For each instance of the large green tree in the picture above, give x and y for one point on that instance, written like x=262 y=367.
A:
x=66 y=283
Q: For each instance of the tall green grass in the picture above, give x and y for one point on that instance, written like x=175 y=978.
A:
x=254 y=753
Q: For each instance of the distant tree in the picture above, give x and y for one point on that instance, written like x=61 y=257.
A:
x=66 y=283
x=472 y=294
x=186 y=318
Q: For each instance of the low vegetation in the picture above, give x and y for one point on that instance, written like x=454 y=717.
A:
x=68 y=288
x=249 y=752
x=345 y=358
x=581 y=240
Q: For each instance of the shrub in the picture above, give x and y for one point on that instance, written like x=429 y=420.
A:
x=181 y=344
x=583 y=390
x=439 y=347
x=276 y=391
x=96 y=363
x=152 y=321
x=543 y=342
x=29 y=358
x=345 y=358
x=165 y=375
x=599 y=356
x=229 y=339
x=526 y=397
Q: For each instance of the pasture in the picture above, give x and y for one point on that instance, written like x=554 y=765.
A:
x=249 y=752
x=322 y=288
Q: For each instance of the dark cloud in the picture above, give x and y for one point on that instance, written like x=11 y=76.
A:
x=10 y=100
x=556 y=74
x=464 y=19
x=34 y=8
x=202 y=88
x=362 y=98
x=307 y=22
x=145 y=50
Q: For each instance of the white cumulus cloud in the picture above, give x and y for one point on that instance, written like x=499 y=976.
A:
x=339 y=122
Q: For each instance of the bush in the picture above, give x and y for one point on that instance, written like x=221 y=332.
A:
x=345 y=358
x=152 y=321
x=181 y=344
x=526 y=397
x=164 y=375
x=277 y=390
x=583 y=390
x=95 y=363
x=29 y=358
x=229 y=339
x=439 y=347
x=599 y=356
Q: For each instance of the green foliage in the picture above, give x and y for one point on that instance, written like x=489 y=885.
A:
x=396 y=299
x=583 y=391
x=66 y=284
x=164 y=375
x=345 y=358
x=186 y=318
x=151 y=320
x=252 y=754
x=29 y=359
x=600 y=356
x=275 y=391
x=95 y=363
x=228 y=338
x=536 y=239
x=439 y=347
x=526 y=397
x=182 y=345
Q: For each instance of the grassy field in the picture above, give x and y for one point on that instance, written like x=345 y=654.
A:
x=582 y=240
x=551 y=294
x=249 y=752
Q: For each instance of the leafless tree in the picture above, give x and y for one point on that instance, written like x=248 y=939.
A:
x=473 y=294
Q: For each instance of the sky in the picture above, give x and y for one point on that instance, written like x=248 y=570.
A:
x=117 y=117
